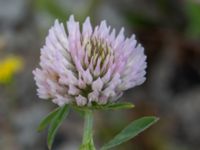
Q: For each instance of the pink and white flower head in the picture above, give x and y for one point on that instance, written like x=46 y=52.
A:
x=86 y=66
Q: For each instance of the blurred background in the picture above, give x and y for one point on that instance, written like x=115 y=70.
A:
x=168 y=29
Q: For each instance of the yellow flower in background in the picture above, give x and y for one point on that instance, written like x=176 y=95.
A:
x=8 y=67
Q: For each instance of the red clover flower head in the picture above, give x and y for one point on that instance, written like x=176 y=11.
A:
x=88 y=65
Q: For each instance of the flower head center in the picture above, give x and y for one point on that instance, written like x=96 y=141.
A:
x=98 y=54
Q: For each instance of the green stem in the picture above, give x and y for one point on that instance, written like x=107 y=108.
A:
x=87 y=143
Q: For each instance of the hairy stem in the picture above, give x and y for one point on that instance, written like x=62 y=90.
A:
x=87 y=143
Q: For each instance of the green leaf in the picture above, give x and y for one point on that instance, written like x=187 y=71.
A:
x=55 y=124
x=130 y=131
x=46 y=121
